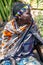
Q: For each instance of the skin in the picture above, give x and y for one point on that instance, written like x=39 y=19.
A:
x=25 y=18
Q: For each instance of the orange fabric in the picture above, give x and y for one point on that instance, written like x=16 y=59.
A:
x=13 y=23
x=7 y=47
x=2 y=44
x=23 y=28
x=7 y=33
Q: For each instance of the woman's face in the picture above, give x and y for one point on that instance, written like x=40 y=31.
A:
x=25 y=18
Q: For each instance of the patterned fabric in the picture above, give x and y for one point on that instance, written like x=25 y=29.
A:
x=28 y=61
x=13 y=33
x=24 y=61
x=7 y=62
x=11 y=29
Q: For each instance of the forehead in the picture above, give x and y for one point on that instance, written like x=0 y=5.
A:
x=25 y=10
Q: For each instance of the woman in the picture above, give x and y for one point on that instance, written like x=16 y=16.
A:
x=15 y=29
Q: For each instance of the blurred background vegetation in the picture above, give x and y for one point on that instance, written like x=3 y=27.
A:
x=37 y=11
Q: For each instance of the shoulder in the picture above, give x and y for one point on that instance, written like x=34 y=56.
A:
x=9 y=24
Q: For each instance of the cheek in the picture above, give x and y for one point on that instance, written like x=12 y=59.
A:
x=27 y=16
